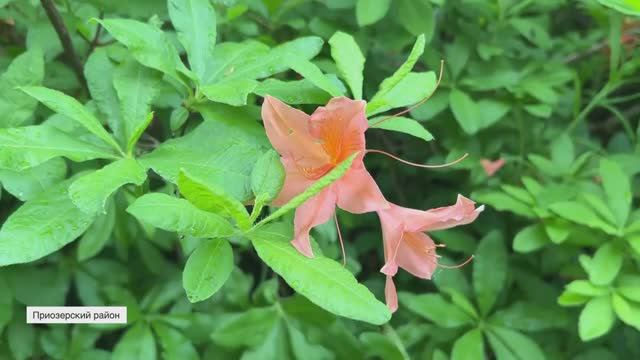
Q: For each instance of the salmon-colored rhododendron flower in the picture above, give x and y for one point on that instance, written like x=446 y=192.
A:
x=491 y=167
x=312 y=145
x=407 y=246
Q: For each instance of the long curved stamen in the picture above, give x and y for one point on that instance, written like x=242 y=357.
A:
x=417 y=165
x=344 y=254
x=456 y=266
x=415 y=105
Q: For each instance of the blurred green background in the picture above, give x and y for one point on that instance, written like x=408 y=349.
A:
x=550 y=87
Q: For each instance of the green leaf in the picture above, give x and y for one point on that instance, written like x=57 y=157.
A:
x=29 y=146
x=581 y=214
x=293 y=92
x=90 y=192
x=136 y=344
x=136 y=87
x=175 y=345
x=618 y=190
x=584 y=287
x=389 y=83
x=211 y=198
x=403 y=125
x=312 y=190
x=207 y=269
x=629 y=287
x=489 y=270
x=628 y=7
x=195 y=21
x=627 y=311
x=26 y=237
x=436 y=309
x=349 y=60
x=178 y=215
x=417 y=17
x=27 y=69
x=267 y=177
x=323 y=281
x=249 y=328
x=469 y=346
x=311 y=72
x=369 y=12
x=27 y=184
x=596 y=319
x=6 y=303
x=381 y=346
x=504 y=202
x=530 y=239
x=146 y=43
x=21 y=340
x=509 y=344
x=413 y=88
x=233 y=92
x=529 y=316
x=99 y=72
x=606 y=264
x=464 y=110
x=71 y=108
x=490 y=111
x=96 y=237
x=303 y=349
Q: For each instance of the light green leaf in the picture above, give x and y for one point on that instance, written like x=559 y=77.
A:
x=606 y=264
x=98 y=70
x=469 y=346
x=71 y=108
x=29 y=146
x=530 y=239
x=293 y=92
x=312 y=190
x=465 y=110
x=27 y=184
x=90 y=192
x=618 y=190
x=27 y=69
x=504 y=202
x=146 y=43
x=436 y=309
x=311 y=72
x=178 y=215
x=349 y=60
x=207 y=269
x=212 y=198
x=267 y=177
x=489 y=270
x=417 y=17
x=581 y=214
x=490 y=111
x=627 y=311
x=584 y=287
x=41 y=226
x=98 y=234
x=596 y=319
x=413 y=88
x=369 y=12
x=178 y=118
x=136 y=344
x=628 y=7
x=510 y=344
x=136 y=87
x=233 y=92
x=629 y=287
x=403 y=125
x=323 y=281
x=175 y=345
x=195 y=21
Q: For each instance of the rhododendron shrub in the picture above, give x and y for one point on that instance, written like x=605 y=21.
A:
x=357 y=179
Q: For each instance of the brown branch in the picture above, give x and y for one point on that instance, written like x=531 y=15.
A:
x=65 y=39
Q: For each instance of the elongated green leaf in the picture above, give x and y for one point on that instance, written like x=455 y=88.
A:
x=195 y=21
x=371 y=11
x=207 y=269
x=465 y=111
x=606 y=264
x=136 y=344
x=312 y=190
x=349 y=60
x=136 y=87
x=175 y=345
x=27 y=184
x=249 y=328
x=71 y=108
x=508 y=344
x=146 y=43
x=25 y=70
x=312 y=73
x=323 y=281
x=529 y=316
x=417 y=17
x=627 y=311
x=293 y=92
x=98 y=234
x=618 y=189
x=596 y=319
x=90 y=192
x=489 y=270
x=581 y=214
x=530 y=239
x=267 y=177
x=173 y=214
x=410 y=90
x=628 y=7
x=403 y=125
x=41 y=226
x=98 y=71
x=469 y=346
x=435 y=308
x=389 y=83
x=212 y=198
x=29 y=146
x=233 y=91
